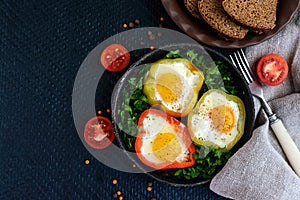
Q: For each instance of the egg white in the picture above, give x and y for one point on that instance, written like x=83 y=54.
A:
x=188 y=80
x=201 y=124
x=153 y=125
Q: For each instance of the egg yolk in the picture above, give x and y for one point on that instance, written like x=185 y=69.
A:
x=166 y=147
x=169 y=87
x=222 y=118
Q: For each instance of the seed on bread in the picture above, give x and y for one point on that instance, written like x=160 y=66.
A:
x=214 y=15
x=259 y=15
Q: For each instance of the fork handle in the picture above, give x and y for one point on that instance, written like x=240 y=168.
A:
x=288 y=145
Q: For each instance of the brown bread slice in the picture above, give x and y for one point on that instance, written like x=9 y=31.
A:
x=213 y=13
x=192 y=7
x=259 y=15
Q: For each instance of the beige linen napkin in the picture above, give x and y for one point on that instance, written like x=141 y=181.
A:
x=259 y=170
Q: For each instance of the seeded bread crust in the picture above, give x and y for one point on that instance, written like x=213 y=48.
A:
x=214 y=15
x=192 y=7
x=259 y=15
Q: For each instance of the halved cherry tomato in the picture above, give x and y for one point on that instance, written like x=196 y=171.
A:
x=115 y=57
x=272 y=69
x=181 y=132
x=99 y=132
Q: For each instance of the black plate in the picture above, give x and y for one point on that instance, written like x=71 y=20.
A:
x=122 y=87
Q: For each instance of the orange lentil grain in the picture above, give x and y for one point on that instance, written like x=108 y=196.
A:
x=124 y=25
x=149 y=188
x=108 y=110
x=137 y=21
x=115 y=181
x=131 y=24
x=87 y=162
x=162 y=19
x=119 y=192
x=99 y=112
x=152 y=48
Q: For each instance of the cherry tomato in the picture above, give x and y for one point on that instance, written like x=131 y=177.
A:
x=99 y=132
x=181 y=130
x=115 y=57
x=272 y=69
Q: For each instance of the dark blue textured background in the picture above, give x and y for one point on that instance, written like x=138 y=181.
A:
x=42 y=45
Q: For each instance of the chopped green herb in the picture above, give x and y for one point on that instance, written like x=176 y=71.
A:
x=173 y=54
x=135 y=102
x=209 y=160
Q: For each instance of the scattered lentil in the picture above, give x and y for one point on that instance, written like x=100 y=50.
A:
x=115 y=181
x=115 y=195
x=87 y=162
x=99 y=112
x=149 y=188
x=151 y=37
x=119 y=192
x=150 y=184
x=137 y=21
x=152 y=47
x=124 y=25
x=131 y=24
x=162 y=19
x=108 y=110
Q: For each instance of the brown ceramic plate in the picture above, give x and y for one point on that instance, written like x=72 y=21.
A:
x=204 y=34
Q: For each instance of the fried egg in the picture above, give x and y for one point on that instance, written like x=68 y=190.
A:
x=217 y=120
x=164 y=142
x=173 y=84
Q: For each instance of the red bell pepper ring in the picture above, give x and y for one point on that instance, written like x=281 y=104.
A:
x=181 y=131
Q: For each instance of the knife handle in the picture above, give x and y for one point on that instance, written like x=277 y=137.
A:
x=288 y=145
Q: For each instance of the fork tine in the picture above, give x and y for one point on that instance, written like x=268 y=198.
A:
x=238 y=65
x=246 y=65
x=242 y=64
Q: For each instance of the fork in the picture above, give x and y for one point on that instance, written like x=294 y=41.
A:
x=290 y=149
